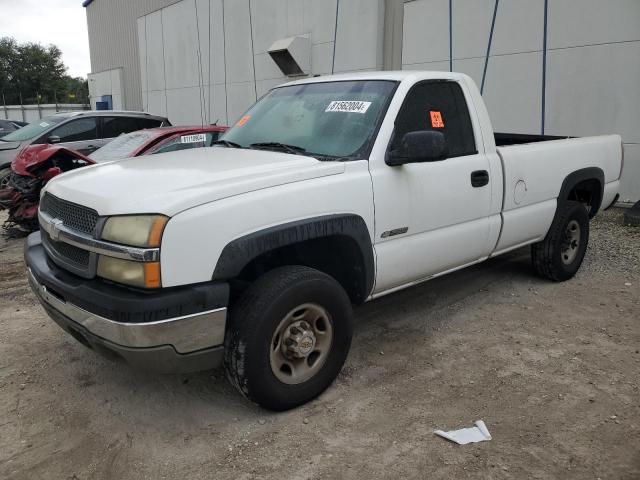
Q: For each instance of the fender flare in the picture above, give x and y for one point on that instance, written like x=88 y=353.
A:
x=574 y=178
x=239 y=252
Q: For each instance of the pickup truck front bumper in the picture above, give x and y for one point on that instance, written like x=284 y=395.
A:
x=171 y=330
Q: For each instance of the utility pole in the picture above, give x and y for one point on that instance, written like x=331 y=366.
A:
x=38 y=103
x=24 y=118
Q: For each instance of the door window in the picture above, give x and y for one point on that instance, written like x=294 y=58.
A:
x=438 y=106
x=148 y=123
x=77 y=130
x=115 y=126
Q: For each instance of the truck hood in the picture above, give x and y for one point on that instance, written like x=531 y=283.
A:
x=169 y=183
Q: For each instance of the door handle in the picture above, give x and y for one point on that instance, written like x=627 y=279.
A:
x=479 y=178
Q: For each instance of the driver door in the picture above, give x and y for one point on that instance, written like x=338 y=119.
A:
x=431 y=216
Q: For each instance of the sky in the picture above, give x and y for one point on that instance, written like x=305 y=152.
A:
x=60 y=22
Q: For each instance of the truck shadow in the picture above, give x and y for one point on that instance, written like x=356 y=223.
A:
x=447 y=290
x=206 y=399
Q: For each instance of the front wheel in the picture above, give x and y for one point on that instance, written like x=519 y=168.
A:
x=288 y=337
x=559 y=256
x=5 y=173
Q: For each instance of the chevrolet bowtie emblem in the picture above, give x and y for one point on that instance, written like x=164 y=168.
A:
x=54 y=231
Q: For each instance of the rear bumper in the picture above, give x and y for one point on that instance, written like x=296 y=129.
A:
x=176 y=343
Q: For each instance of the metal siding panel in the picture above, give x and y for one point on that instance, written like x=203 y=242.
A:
x=513 y=92
x=113 y=41
x=594 y=90
x=425 y=32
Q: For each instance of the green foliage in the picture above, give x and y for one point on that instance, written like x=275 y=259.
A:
x=36 y=74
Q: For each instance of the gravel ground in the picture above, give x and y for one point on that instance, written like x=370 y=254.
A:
x=553 y=370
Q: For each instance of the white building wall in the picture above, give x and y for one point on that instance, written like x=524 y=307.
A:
x=108 y=82
x=592 y=66
x=202 y=61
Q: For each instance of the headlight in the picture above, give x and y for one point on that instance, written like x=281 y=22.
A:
x=137 y=274
x=135 y=230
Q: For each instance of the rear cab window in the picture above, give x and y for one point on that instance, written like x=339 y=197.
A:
x=437 y=105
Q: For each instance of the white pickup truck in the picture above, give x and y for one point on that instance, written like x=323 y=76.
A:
x=328 y=192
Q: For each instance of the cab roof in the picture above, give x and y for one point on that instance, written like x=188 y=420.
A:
x=393 y=75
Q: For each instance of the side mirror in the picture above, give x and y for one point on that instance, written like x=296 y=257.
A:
x=419 y=146
x=53 y=139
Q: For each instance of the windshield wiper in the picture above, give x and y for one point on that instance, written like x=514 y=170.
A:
x=227 y=143
x=278 y=146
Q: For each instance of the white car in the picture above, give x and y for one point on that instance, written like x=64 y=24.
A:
x=328 y=192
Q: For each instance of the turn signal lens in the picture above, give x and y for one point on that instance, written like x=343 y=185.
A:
x=152 y=275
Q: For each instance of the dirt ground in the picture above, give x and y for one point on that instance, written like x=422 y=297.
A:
x=553 y=370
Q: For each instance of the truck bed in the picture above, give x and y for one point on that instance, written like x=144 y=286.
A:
x=533 y=172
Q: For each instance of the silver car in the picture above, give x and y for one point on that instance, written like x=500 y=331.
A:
x=82 y=131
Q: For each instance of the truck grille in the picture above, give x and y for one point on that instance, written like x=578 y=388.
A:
x=72 y=215
x=70 y=254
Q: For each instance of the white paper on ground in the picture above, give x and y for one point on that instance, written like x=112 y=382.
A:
x=479 y=433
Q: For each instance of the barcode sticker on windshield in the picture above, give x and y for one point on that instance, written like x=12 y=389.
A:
x=197 y=138
x=349 y=106
x=44 y=124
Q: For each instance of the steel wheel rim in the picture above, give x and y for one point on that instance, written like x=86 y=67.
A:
x=301 y=344
x=570 y=243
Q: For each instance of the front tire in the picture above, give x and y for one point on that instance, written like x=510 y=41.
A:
x=288 y=337
x=559 y=256
x=5 y=173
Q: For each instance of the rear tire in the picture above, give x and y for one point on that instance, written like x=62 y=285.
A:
x=288 y=337
x=559 y=256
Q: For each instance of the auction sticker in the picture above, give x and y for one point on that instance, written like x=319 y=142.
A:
x=243 y=120
x=197 y=138
x=436 y=119
x=348 y=106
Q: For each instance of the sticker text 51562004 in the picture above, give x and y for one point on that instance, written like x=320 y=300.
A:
x=348 y=106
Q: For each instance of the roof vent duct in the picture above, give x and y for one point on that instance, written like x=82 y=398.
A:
x=292 y=55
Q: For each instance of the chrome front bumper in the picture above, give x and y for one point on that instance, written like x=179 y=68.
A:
x=192 y=342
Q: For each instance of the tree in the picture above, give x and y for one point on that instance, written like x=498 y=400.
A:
x=32 y=73
x=8 y=60
x=74 y=90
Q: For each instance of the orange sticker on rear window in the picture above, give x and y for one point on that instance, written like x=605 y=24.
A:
x=436 y=120
x=243 y=120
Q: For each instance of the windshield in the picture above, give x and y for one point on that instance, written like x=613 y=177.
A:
x=122 y=146
x=185 y=141
x=325 y=119
x=33 y=129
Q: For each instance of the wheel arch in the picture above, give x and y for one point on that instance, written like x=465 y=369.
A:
x=585 y=186
x=339 y=245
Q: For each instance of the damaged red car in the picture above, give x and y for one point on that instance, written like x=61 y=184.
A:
x=37 y=164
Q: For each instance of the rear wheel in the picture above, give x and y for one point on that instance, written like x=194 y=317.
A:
x=559 y=256
x=288 y=337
